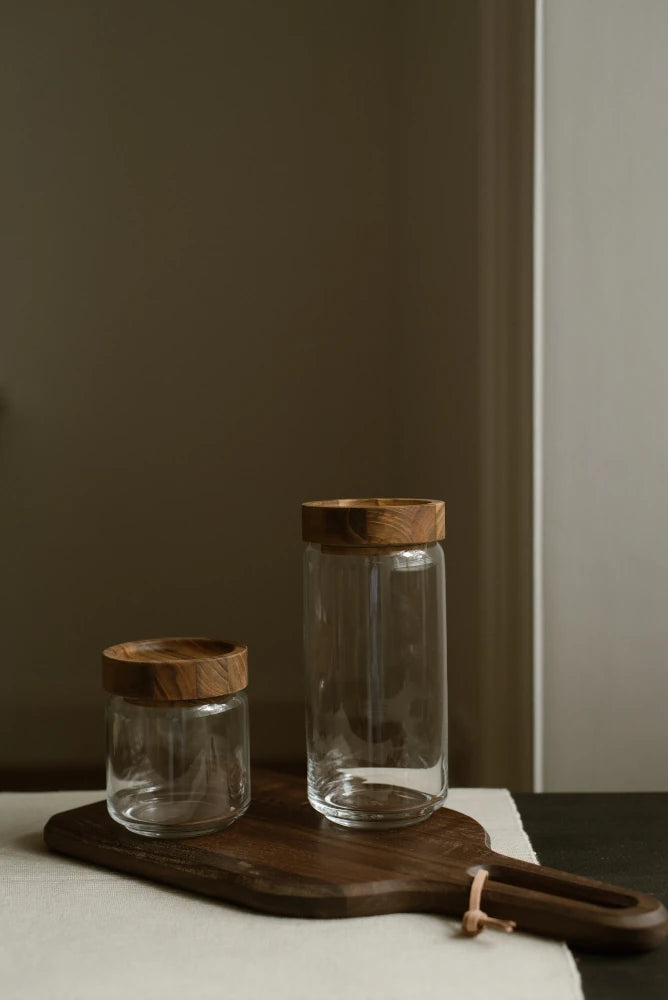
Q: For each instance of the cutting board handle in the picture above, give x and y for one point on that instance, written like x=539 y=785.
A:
x=580 y=910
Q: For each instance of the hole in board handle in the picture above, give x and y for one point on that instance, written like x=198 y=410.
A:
x=563 y=888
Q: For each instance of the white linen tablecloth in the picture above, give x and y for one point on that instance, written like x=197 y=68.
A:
x=69 y=931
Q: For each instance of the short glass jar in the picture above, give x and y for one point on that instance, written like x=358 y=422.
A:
x=177 y=735
x=375 y=658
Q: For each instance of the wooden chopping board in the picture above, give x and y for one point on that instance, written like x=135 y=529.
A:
x=284 y=858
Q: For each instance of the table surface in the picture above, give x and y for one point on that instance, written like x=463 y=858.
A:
x=614 y=837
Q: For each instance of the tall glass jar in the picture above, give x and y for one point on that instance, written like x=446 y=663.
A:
x=177 y=735
x=375 y=657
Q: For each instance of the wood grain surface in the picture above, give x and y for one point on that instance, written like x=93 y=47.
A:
x=373 y=521
x=284 y=858
x=175 y=669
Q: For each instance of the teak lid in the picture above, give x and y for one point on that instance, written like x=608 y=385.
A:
x=178 y=669
x=373 y=521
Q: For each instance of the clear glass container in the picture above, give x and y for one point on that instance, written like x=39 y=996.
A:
x=375 y=657
x=177 y=735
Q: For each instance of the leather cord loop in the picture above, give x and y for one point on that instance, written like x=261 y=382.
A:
x=475 y=920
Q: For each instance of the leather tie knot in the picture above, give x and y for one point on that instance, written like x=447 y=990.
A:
x=475 y=920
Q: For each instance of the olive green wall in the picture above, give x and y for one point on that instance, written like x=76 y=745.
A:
x=240 y=264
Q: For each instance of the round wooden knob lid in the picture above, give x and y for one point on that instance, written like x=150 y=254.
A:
x=373 y=521
x=178 y=669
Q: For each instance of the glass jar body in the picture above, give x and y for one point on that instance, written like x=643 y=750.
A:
x=177 y=769
x=376 y=696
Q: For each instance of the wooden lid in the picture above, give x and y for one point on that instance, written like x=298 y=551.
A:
x=373 y=521
x=176 y=669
